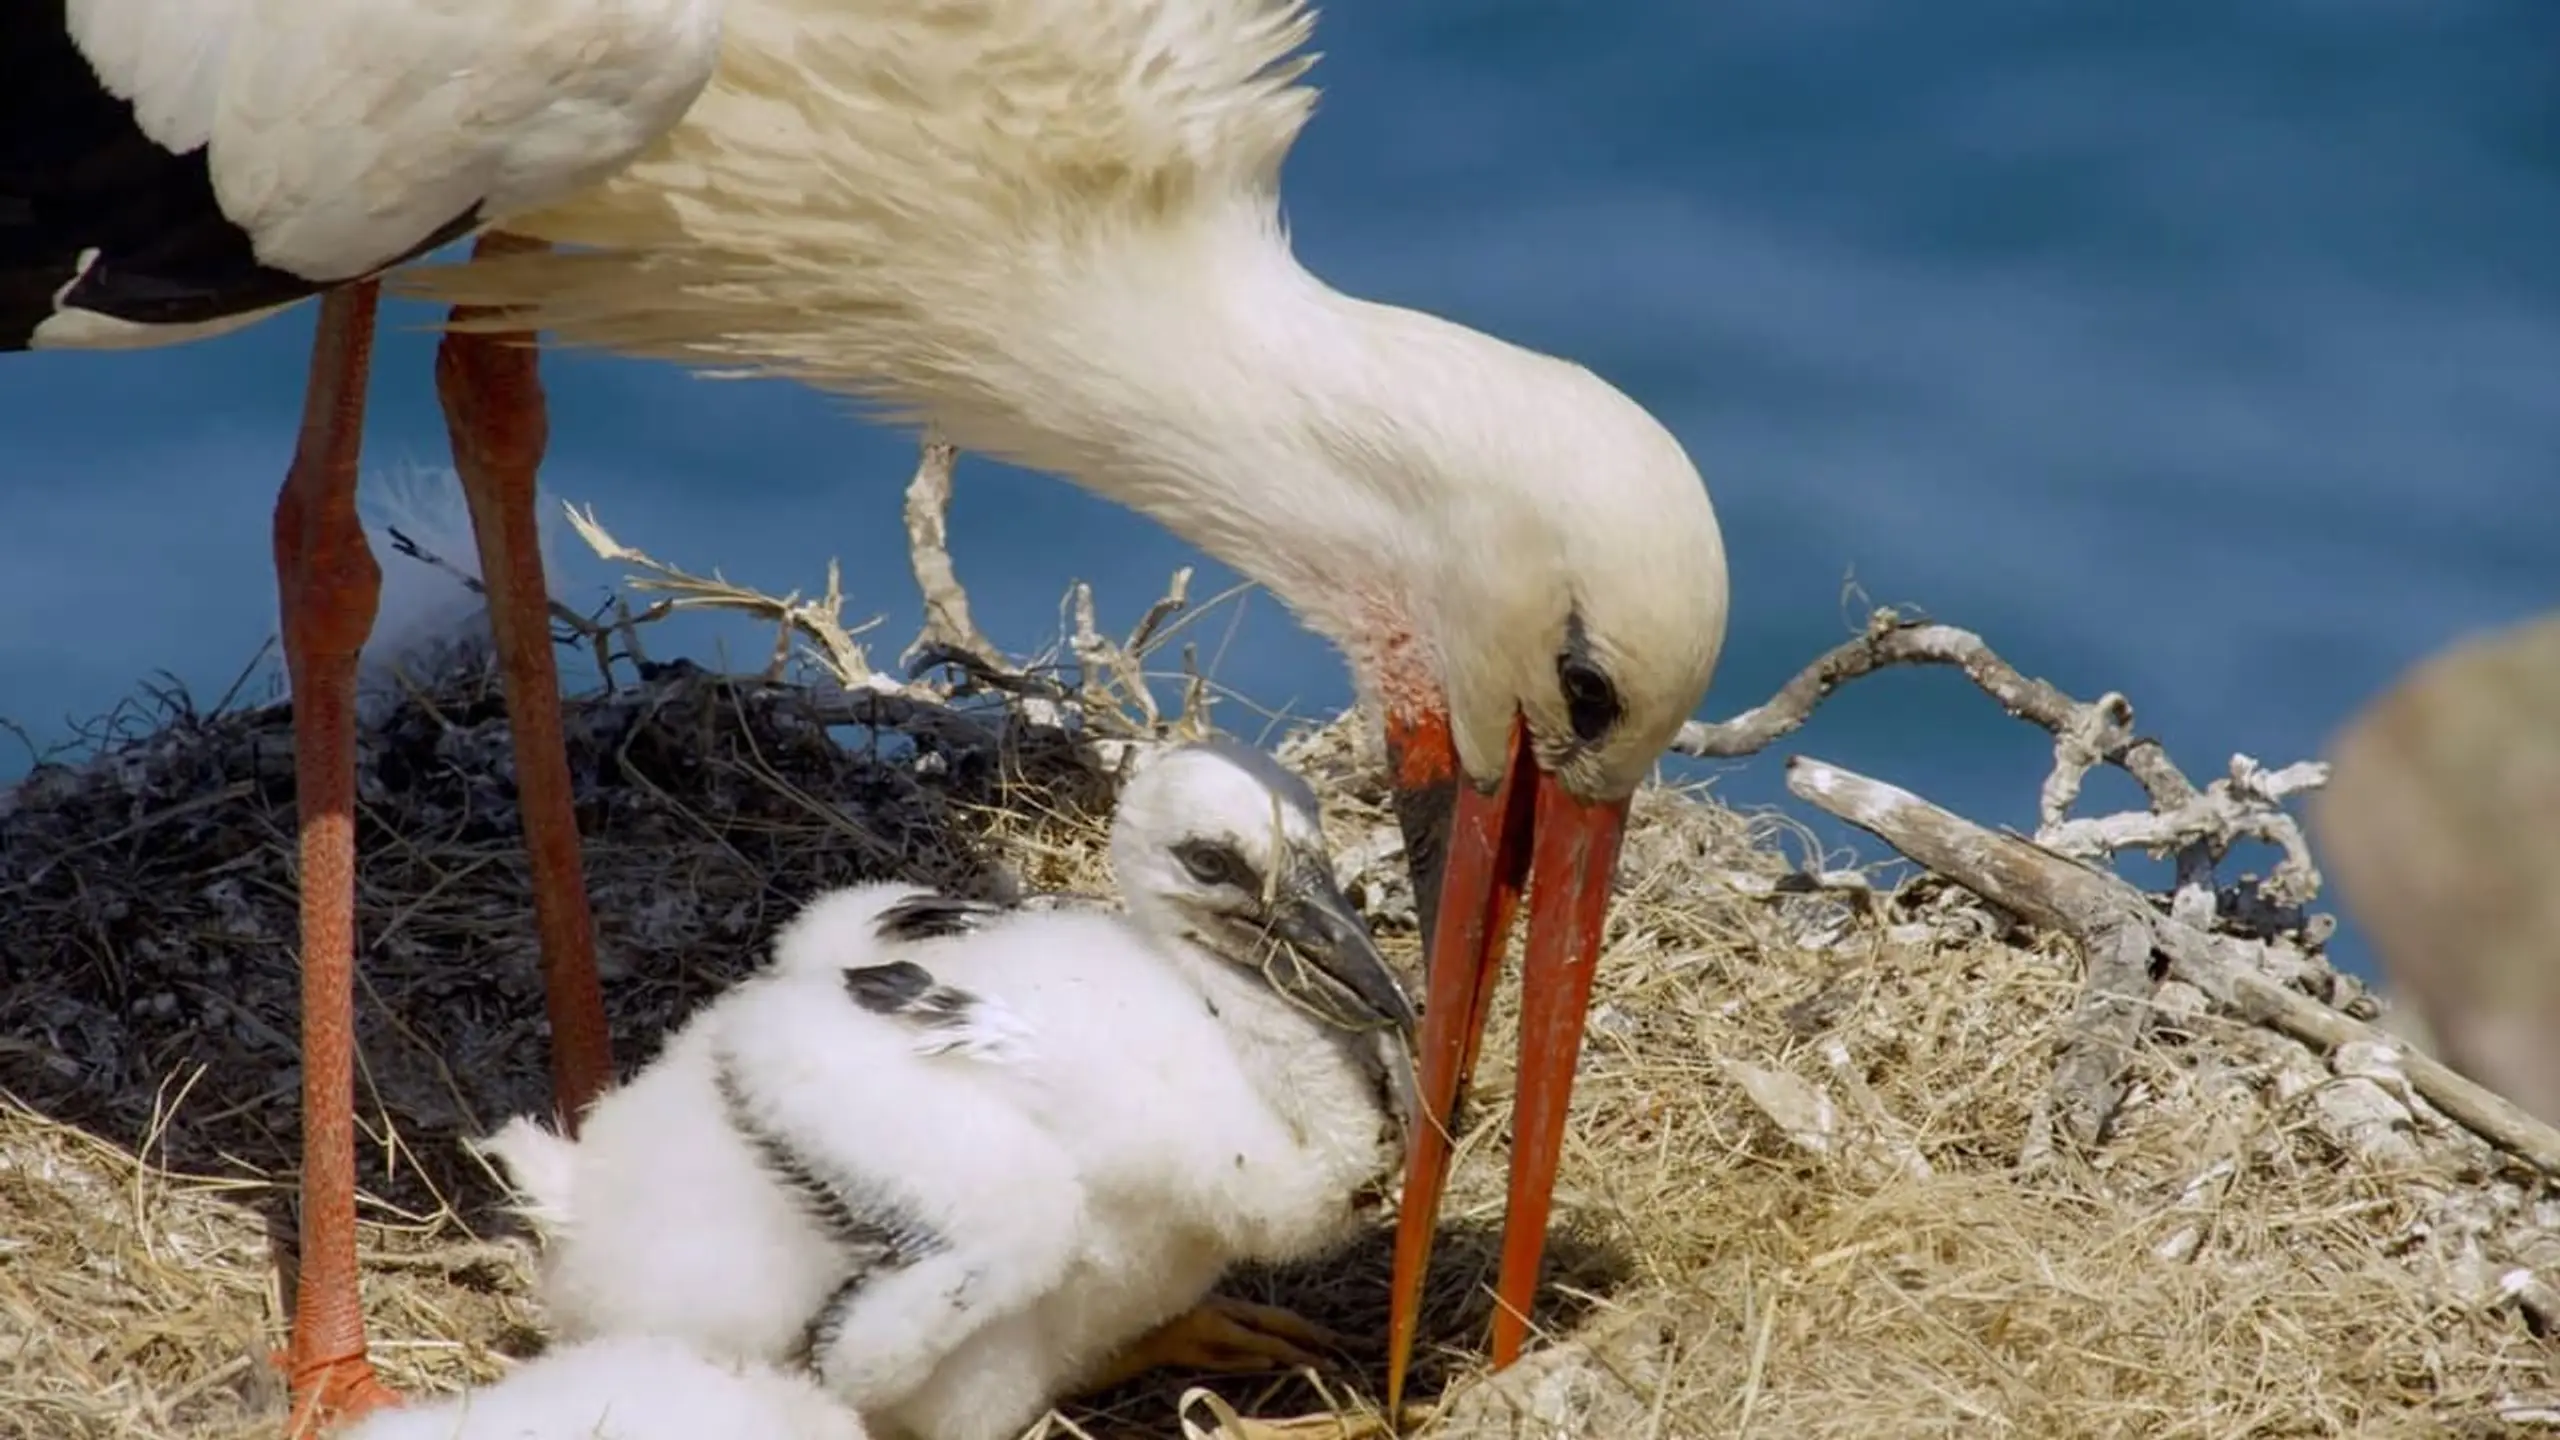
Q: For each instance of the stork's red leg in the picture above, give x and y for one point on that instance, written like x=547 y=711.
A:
x=328 y=586
x=493 y=408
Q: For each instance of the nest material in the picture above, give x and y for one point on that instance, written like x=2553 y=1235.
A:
x=1791 y=1201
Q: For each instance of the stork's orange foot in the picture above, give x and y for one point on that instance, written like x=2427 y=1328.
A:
x=1226 y=1335
x=330 y=1393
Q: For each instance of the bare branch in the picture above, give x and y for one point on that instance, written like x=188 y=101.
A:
x=2108 y=917
x=2044 y=888
x=1112 y=698
x=1142 y=636
x=1891 y=640
x=820 y=622
x=949 y=638
x=1086 y=643
x=2247 y=804
x=947 y=626
x=2080 y=746
x=1112 y=674
x=2199 y=826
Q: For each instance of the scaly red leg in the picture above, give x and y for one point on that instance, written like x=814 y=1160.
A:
x=492 y=393
x=328 y=586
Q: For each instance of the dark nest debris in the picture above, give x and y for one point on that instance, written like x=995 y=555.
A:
x=148 y=899
x=1814 y=1183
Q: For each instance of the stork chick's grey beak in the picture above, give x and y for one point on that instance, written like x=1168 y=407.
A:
x=1314 y=920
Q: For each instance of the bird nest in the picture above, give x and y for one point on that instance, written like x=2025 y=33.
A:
x=1848 y=1156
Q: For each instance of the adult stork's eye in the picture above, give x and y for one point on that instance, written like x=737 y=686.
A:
x=1211 y=863
x=1590 y=701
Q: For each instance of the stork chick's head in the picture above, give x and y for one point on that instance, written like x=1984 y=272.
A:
x=1219 y=842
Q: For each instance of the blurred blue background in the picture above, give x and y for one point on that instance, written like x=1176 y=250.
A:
x=2204 y=351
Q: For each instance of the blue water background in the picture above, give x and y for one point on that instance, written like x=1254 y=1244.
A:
x=2209 y=352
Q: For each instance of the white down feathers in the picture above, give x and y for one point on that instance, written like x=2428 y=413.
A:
x=631 y=1388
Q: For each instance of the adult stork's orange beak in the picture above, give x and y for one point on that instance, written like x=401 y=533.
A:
x=1526 y=831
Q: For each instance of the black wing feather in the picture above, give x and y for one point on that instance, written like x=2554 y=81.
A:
x=77 y=175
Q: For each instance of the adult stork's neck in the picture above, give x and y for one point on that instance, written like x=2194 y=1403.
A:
x=1208 y=381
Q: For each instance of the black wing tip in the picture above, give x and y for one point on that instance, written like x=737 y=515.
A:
x=934 y=917
x=100 y=220
x=904 y=990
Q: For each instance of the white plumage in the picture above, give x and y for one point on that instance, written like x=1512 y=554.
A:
x=342 y=138
x=625 y=1388
x=962 y=1157
x=339 y=134
x=1054 y=230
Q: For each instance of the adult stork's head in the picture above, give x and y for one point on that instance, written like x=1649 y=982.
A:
x=1562 y=612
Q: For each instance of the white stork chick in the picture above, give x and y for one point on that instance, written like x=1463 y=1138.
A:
x=967 y=1160
x=628 y=1388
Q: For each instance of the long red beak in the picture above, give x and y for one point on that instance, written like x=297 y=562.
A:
x=1526 y=831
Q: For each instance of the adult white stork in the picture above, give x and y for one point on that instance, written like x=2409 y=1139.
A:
x=1054 y=231
x=171 y=169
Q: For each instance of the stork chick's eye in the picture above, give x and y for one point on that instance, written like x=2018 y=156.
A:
x=1590 y=700
x=1211 y=863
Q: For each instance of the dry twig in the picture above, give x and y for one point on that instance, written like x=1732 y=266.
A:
x=1891 y=640
x=575 y=625
x=2055 y=892
x=1112 y=697
x=2199 y=826
x=1112 y=674
x=947 y=626
x=819 y=623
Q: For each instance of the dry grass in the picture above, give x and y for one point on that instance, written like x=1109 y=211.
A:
x=2239 y=1261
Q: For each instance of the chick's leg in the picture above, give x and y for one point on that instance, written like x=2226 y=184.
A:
x=1221 y=1334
